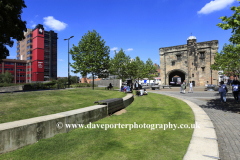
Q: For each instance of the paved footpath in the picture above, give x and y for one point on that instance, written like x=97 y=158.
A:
x=226 y=122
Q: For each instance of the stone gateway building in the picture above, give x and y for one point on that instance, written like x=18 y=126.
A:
x=190 y=62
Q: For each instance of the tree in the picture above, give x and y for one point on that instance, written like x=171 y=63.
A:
x=132 y=69
x=228 y=59
x=150 y=69
x=11 y=25
x=141 y=71
x=119 y=64
x=232 y=22
x=91 y=55
x=7 y=78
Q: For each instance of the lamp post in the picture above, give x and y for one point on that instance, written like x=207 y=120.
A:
x=92 y=67
x=68 y=58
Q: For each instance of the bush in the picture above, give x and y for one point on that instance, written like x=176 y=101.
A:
x=84 y=85
x=9 y=84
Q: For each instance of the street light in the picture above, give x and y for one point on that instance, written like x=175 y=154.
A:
x=68 y=58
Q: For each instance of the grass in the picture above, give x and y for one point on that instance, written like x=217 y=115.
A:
x=18 y=106
x=121 y=144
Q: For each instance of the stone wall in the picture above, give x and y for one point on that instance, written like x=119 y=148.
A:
x=11 y=88
x=115 y=82
x=191 y=62
x=14 y=135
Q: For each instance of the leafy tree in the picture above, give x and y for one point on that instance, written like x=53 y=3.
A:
x=228 y=59
x=1 y=77
x=150 y=69
x=119 y=64
x=11 y=25
x=232 y=22
x=141 y=70
x=91 y=55
x=132 y=69
x=7 y=78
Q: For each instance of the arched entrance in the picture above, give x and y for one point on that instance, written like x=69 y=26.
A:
x=175 y=77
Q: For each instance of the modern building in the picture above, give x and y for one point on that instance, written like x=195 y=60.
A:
x=39 y=49
x=189 y=62
x=16 y=67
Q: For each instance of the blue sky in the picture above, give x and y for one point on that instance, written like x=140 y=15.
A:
x=140 y=27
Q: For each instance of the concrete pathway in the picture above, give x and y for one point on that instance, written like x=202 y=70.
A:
x=225 y=118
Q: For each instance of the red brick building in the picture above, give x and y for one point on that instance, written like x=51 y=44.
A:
x=16 y=67
x=39 y=50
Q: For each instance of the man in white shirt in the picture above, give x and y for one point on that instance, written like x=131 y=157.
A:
x=190 y=87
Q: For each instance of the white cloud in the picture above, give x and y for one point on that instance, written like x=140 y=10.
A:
x=114 y=48
x=36 y=16
x=60 y=59
x=34 y=25
x=54 y=24
x=129 y=49
x=215 y=5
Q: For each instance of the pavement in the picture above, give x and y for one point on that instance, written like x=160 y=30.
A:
x=224 y=116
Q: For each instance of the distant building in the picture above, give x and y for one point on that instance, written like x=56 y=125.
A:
x=39 y=49
x=16 y=67
x=190 y=61
x=158 y=69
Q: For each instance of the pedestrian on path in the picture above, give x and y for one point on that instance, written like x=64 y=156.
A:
x=184 y=86
x=222 y=91
x=190 y=87
x=181 y=86
x=235 y=90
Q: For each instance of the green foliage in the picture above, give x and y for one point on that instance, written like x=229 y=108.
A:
x=7 y=78
x=1 y=78
x=132 y=69
x=228 y=59
x=232 y=22
x=119 y=65
x=9 y=84
x=11 y=25
x=150 y=69
x=140 y=72
x=91 y=55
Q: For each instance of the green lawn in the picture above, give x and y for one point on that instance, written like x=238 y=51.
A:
x=122 y=143
x=25 y=105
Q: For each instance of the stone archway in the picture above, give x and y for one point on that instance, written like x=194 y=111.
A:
x=176 y=75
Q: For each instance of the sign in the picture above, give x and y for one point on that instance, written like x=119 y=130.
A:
x=40 y=30
x=40 y=64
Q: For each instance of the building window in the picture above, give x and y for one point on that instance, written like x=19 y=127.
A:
x=20 y=69
x=192 y=75
x=18 y=48
x=173 y=63
x=17 y=58
x=17 y=53
x=30 y=46
x=29 y=58
x=192 y=64
x=29 y=41
x=30 y=35
x=203 y=68
x=202 y=54
x=9 y=63
x=20 y=64
x=29 y=52
x=8 y=69
x=178 y=57
x=18 y=43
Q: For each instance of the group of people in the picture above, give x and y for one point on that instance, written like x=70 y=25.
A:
x=184 y=87
x=235 y=90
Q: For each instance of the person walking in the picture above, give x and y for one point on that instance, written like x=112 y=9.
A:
x=235 y=90
x=190 y=87
x=181 y=86
x=136 y=85
x=222 y=91
x=184 y=87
